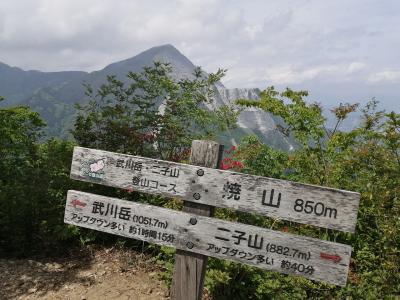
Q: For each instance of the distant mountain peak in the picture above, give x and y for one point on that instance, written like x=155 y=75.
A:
x=167 y=53
x=169 y=47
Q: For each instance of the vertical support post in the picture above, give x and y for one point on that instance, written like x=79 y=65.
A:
x=190 y=268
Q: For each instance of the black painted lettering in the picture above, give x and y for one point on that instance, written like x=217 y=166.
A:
x=330 y=211
x=271 y=199
x=318 y=208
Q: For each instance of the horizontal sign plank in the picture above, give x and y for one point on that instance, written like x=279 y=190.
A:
x=263 y=248
x=281 y=199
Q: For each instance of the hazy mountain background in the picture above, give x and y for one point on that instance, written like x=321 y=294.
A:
x=53 y=94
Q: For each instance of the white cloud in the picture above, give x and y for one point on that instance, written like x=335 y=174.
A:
x=260 y=42
x=289 y=75
x=296 y=74
x=385 y=76
x=356 y=67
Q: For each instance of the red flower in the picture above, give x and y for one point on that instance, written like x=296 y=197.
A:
x=225 y=166
x=227 y=163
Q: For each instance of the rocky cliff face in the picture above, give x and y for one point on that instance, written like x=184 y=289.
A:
x=252 y=120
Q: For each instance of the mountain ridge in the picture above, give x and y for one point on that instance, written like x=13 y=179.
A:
x=53 y=94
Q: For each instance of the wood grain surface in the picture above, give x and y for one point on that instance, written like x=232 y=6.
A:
x=280 y=199
x=190 y=267
x=259 y=247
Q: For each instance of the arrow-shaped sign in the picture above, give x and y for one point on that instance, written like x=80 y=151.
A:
x=260 y=247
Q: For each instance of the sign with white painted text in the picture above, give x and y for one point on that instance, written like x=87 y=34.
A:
x=281 y=199
x=263 y=248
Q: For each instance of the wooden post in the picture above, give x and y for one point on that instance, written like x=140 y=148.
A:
x=190 y=268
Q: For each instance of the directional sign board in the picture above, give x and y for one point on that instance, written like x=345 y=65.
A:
x=263 y=248
x=281 y=199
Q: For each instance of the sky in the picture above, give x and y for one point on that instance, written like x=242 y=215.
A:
x=340 y=51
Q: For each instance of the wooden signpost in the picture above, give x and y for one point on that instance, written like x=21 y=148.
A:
x=281 y=199
x=195 y=233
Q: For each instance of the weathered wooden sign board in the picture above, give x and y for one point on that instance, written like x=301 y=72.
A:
x=263 y=248
x=281 y=199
